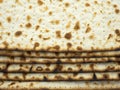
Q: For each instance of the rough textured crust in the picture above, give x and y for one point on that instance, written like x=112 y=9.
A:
x=59 y=55
x=7 y=59
x=60 y=85
x=57 y=25
x=54 y=68
x=60 y=76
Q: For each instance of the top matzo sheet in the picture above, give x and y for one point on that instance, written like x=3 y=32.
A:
x=60 y=25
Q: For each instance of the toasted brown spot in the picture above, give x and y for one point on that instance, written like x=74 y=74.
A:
x=9 y=19
x=108 y=2
x=18 y=2
x=110 y=68
x=18 y=33
x=110 y=35
x=39 y=68
x=87 y=4
x=60 y=0
x=47 y=30
x=67 y=4
x=116 y=11
x=30 y=7
x=59 y=68
x=8 y=33
x=81 y=42
x=48 y=64
x=105 y=76
x=31 y=39
x=0 y=24
x=28 y=18
x=1 y=1
x=88 y=29
x=68 y=24
x=47 y=69
x=69 y=45
x=28 y=25
x=58 y=34
x=117 y=31
x=77 y=26
x=95 y=2
x=59 y=77
x=40 y=20
x=109 y=23
x=40 y=36
x=117 y=40
x=78 y=65
x=28 y=0
x=55 y=22
x=75 y=74
x=40 y=2
x=68 y=35
x=81 y=78
x=12 y=83
x=21 y=25
x=69 y=69
x=79 y=48
x=37 y=27
x=91 y=37
x=115 y=6
x=92 y=66
x=50 y=13
x=47 y=38
x=36 y=44
x=57 y=47
x=95 y=13
x=5 y=43
x=31 y=84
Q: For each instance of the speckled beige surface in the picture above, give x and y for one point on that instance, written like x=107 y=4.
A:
x=56 y=25
x=54 y=68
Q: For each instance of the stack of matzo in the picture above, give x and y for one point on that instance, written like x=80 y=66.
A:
x=59 y=44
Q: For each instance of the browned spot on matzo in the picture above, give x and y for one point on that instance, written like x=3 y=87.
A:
x=67 y=4
x=57 y=47
x=1 y=1
x=28 y=25
x=68 y=35
x=37 y=27
x=77 y=26
x=36 y=44
x=117 y=11
x=58 y=34
x=117 y=31
x=9 y=19
x=40 y=2
x=28 y=18
x=69 y=45
x=87 y=4
x=79 y=48
x=18 y=33
x=88 y=29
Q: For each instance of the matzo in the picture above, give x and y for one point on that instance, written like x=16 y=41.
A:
x=59 y=55
x=55 y=25
x=60 y=85
x=7 y=59
x=85 y=67
x=59 y=76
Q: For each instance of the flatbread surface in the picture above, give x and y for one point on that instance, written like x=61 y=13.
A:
x=56 y=25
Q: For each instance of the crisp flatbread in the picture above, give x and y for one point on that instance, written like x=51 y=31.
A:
x=60 y=85
x=59 y=55
x=59 y=76
x=85 y=67
x=7 y=59
x=57 y=25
